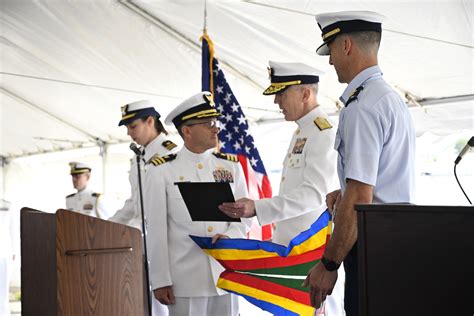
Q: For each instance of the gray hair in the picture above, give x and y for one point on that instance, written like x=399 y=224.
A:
x=367 y=40
x=312 y=86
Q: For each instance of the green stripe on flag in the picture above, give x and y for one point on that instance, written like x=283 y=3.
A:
x=298 y=270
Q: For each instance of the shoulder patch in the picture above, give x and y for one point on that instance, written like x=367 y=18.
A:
x=354 y=95
x=169 y=144
x=229 y=157
x=96 y=194
x=322 y=123
x=70 y=195
x=157 y=160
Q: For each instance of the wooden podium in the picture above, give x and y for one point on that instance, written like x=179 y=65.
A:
x=73 y=264
x=415 y=260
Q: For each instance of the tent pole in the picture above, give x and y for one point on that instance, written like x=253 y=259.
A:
x=103 y=154
x=3 y=162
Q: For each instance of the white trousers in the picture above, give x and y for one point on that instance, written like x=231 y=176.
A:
x=223 y=305
x=4 y=286
x=334 y=305
x=158 y=309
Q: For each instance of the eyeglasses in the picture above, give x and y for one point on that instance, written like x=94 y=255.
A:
x=208 y=124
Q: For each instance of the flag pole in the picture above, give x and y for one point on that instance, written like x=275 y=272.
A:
x=204 y=29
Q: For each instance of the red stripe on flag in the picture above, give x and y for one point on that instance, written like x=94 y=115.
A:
x=273 y=262
x=269 y=287
x=257 y=191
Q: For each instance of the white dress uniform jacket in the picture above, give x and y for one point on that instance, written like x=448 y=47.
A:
x=87 y=202
x=130 y=214
x=309 y=173
x=174 y=258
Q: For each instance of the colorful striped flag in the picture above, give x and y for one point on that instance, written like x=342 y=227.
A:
x=234 y=135
x=270 y=275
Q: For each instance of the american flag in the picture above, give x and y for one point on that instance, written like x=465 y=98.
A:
x=234 y=135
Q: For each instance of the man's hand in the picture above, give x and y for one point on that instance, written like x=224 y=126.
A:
x=165 y=295
x=321 y=282
x=333 y=199
x=216 y=237
x=241 y=208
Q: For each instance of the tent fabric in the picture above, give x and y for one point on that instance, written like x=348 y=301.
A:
x=67 y=66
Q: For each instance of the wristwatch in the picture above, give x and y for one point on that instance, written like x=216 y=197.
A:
x=329 y=264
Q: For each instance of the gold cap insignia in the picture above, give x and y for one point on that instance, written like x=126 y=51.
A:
x=209 y=99
x=270 y=72
x=124 y=109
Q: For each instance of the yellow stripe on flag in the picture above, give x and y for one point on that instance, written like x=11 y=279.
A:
x=284 y=302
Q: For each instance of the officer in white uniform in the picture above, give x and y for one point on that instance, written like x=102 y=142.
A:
x=182 y=275
x=85 y=201
x=145 y=128
x=309 y=167
x=9 y=237
x=375 y=141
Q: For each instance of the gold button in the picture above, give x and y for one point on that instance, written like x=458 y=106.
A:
x=282 y=179
x=181 y=178
x=297 y=131
x=200 y=166
x=289 y=155
x=210 y=229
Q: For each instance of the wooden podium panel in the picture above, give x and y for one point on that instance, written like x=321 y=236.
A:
x=38 y=263
x=88 y=266
x=415 y=260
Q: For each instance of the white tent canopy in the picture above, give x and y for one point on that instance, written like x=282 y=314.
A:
x=67 y=66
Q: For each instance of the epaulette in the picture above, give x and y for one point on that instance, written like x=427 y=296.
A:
x=169 y=144
x=157 y=160
x=96 y=194
x=229 y=157
x=322 y=123
x=70 y=195
x=354 y=95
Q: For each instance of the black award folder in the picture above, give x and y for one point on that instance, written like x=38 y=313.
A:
x=203 y=198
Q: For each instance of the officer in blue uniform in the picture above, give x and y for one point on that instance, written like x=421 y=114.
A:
x=375 y=141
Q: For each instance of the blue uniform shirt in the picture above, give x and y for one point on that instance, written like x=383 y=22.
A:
x=376 y=139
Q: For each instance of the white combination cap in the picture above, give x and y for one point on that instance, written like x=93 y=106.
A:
x=136 y=110
x=79 y=167
x=199 y=106
x=333 y=24
x=283 y=75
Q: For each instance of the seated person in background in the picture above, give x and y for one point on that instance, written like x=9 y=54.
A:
x=85 y=201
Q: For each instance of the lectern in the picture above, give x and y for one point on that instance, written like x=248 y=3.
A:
x=415 y=260
x=73 y=264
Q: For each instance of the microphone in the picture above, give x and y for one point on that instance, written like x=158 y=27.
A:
x=135 y=149
x=466 y=148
